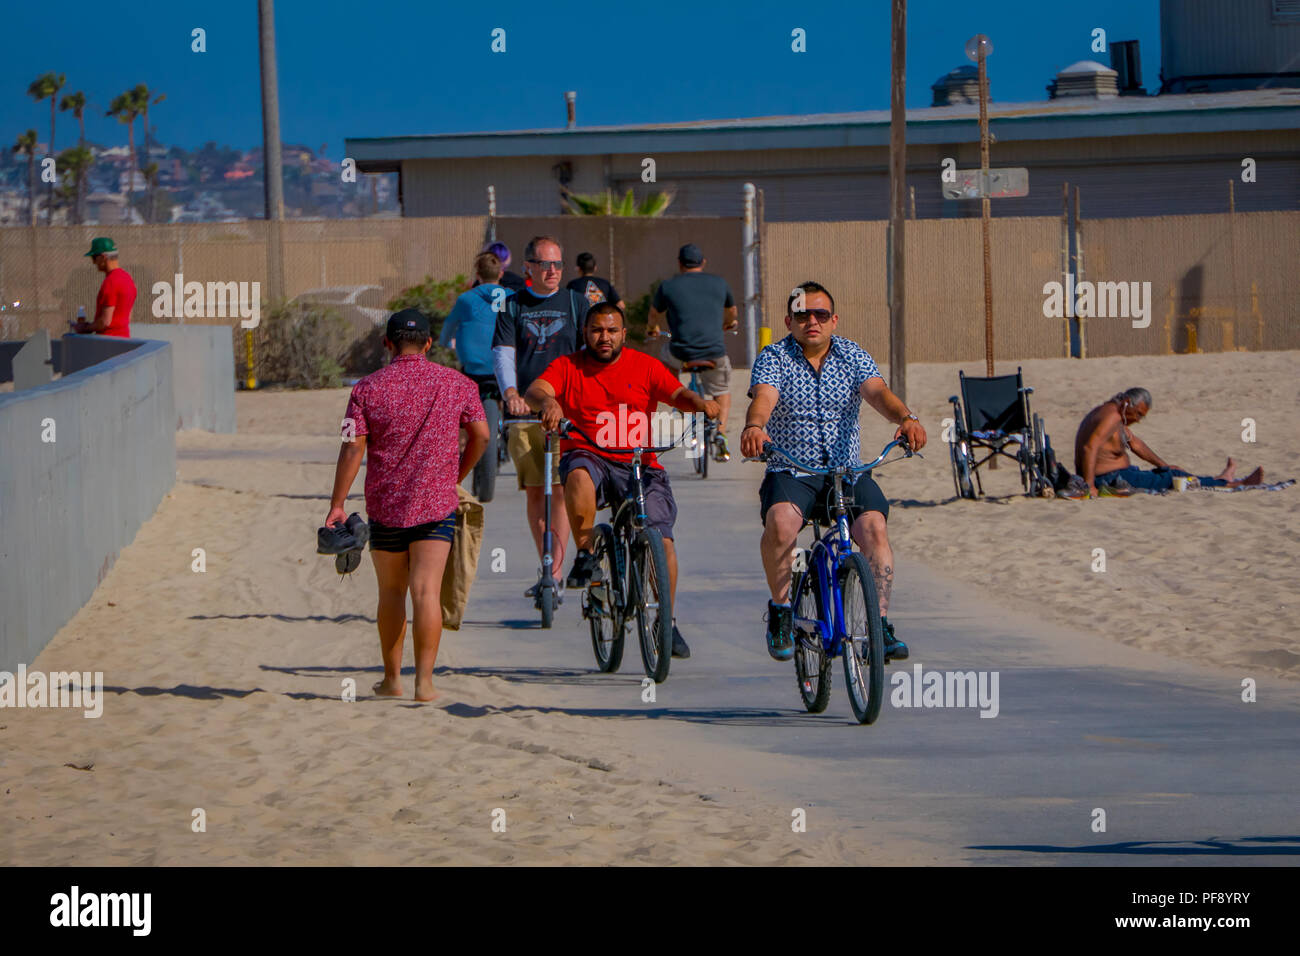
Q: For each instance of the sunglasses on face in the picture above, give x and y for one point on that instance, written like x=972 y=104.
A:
x=821 y=315
x=546 y=264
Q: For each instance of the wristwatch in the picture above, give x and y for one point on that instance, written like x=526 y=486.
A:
x=912 y=417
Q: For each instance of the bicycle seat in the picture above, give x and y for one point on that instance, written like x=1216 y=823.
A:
x=700 y=364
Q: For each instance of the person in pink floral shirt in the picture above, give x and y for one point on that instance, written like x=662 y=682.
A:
x=408 y=417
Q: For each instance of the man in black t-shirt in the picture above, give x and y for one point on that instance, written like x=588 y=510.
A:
x=592 y=287
x=538 y=325
x=699 y=308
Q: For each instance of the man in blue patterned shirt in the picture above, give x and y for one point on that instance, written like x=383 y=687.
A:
x=806 y=391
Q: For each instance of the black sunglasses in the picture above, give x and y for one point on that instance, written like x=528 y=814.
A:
x=556 y=264
x=821 y=315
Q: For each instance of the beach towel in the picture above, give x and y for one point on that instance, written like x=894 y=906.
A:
x=462 y=563
x=1267 y=486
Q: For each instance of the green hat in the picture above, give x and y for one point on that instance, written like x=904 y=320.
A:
x=100 y=245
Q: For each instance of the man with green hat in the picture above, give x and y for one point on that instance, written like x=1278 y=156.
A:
x=116 y=293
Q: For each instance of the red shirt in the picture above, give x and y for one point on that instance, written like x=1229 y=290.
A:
x=613 y=403
x=411 y=412
x=117 y=290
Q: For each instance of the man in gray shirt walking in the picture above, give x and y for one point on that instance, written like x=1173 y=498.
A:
x=699 y=307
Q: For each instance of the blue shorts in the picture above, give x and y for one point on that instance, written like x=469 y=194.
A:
x=611 y=479
x=1161 y=479
x=384 y=538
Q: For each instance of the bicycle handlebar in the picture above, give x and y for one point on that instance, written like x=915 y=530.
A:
x=770 y=448
x=567 y=426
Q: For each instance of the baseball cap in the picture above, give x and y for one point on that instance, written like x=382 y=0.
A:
x=100 y=245
x=408 y=320
x=690 y=255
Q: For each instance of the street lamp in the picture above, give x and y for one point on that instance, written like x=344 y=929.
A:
x=979 y=48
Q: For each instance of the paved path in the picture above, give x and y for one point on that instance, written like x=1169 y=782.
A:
x=1185 y=771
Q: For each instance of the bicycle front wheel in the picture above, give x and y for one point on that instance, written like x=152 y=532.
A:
x=602 y=606
x=864 y=640
x=812 y=665
x=653 y=602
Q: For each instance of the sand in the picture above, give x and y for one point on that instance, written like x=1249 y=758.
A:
x=225 y=686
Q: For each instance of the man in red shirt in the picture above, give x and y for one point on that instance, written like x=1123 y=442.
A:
x=116 y=293
x=588 y=387
x=408 y=416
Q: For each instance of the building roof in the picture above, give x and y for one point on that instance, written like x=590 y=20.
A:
x=1072 y=118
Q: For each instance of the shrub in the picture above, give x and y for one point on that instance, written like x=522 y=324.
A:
x=299 y=345
x=638 y=314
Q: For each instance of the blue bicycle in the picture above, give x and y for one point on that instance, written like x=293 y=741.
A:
x=833 y=594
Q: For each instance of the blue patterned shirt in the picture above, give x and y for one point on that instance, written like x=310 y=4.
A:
x=816 y=415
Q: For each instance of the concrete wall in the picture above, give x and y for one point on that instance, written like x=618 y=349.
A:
x=203 y=370
x=69 y=506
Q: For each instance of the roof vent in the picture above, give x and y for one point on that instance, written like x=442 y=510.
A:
x=962 y=85
x=1085 y=78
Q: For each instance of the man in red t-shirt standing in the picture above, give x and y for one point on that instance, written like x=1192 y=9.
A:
x=408 y=417
x=587 y=387
x=116 y=293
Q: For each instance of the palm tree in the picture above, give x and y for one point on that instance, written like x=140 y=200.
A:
x=145 y=98
x=126 y=108
x=26 y=143
x=49 y=85
x=76 y=102
x=604 y=204
x=74 y=162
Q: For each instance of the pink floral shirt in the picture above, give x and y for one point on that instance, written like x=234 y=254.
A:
x=411 y=412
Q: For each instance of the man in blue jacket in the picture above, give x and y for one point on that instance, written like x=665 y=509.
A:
x=473 y=320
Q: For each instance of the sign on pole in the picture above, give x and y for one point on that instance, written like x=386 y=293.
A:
x=1002 y=184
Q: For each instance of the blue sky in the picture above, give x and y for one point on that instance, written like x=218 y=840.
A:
x=394 y=67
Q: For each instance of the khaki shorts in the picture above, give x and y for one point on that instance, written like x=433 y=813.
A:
x=527 y=447
x=713 y=381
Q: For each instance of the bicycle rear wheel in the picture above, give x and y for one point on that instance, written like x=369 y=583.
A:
x=812 y=665
x=601 y=601
x=864 y=642
x=485 y=469
x=653 y=601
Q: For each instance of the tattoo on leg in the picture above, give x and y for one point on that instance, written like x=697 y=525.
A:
x=884 y=584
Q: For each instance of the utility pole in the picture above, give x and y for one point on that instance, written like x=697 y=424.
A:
x=897 y=198
x=978 y=48
x=271 y=168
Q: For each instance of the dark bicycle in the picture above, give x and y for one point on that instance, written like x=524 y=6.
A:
x=836 y=608
x=631 y=577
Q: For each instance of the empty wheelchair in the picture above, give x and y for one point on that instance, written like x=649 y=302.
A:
x=992 y=415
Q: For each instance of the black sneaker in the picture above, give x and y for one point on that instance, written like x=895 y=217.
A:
x=679 y=645
x=584 y=566
x=780 y=632
x=895 y=650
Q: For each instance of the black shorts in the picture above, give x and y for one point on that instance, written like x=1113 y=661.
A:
x=811 y=495
x=611 y=480
x=384 y=538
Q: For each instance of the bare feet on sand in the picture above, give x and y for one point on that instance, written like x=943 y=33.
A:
x=424 y=691
x=387 y=688
x=1230 y=472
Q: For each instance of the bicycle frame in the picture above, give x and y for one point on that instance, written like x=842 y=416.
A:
x=826 y=556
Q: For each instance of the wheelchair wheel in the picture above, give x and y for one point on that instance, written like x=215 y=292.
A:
x=961 y=470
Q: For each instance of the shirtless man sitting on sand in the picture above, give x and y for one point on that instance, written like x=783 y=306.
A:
x=1104 y=440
